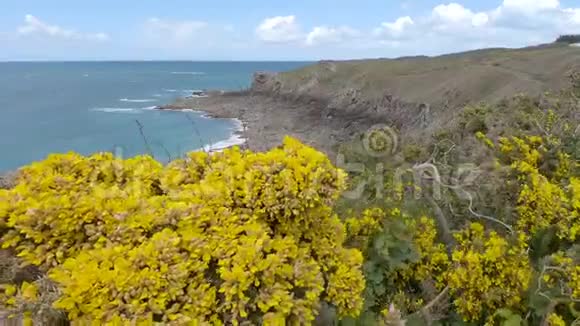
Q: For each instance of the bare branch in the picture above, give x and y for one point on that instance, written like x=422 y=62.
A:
x=199 y=138
x=147 y=146
x=426 y=310
x=438 y=181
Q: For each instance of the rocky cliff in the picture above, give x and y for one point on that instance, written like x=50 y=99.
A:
x=329 y=102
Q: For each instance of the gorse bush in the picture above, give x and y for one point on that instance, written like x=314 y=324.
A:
x=229 y=238
x=500 y=246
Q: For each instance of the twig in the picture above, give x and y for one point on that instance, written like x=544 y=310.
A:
x=202 y=142
x=489 y=218
x=443 y=223
x=426 y=310
x=470 y=198
x=147 y=147
x=541 y=129
x=166 y=152
x=436 y=299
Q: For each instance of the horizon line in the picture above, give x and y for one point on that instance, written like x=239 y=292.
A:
x=147 y=60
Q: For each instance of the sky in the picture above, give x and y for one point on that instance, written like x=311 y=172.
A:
x=273 y=30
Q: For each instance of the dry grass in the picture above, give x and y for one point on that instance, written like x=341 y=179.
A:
x=7 y=180
x=41 y=311
x=482 y=75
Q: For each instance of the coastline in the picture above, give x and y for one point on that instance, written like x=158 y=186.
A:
x=263 y=120
x=237 y=131
x=236 y=139
x=330 y=103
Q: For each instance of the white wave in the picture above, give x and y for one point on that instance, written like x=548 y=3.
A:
x=117 y=110
x=202 y=114
x=157 y=95
x=230 y=142
x=138 y=100
x=170 y=90
x=187 y=73
x=238 y=125
x=235 y=139
x=576 y=45
x=125 y=110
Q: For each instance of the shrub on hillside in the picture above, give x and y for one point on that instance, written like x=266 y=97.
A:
x=229 y=238
x=503 y=247
x=570 y=39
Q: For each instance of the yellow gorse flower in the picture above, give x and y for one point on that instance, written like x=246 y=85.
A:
x=487 y=272
x=226 y=238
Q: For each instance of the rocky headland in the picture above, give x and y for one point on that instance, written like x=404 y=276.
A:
x=329 y=103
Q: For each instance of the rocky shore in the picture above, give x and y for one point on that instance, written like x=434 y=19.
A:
x=268 y=114
x=330 y=103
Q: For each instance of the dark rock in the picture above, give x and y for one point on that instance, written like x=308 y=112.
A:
x=265 y=82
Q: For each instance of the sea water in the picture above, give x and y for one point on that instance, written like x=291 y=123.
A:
x=87 y=107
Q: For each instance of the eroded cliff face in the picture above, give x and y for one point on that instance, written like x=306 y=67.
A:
x=266 y=83
x=344 y=111
x=418 y=95
x=331 y=103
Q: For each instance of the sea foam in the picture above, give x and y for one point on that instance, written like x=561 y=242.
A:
x=124 y=110
x=235 y=139
x=187 y=73
x=138 y=100
x=116 y=110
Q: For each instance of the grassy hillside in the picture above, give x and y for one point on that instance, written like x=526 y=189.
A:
x=421 y=97
x=488 y=74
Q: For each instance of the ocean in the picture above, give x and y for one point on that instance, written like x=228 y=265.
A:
x=87 y=107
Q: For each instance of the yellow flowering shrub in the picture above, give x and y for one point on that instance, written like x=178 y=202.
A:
x=30 y=301
x=433 y=258
x=227 y=238
x=402 y=255
x=361 y=229
x=426 y=269
x=555 y=320
x=563 y=273
x=69 y=203
x=15 y=296
x=544 y=200
x=487 y=272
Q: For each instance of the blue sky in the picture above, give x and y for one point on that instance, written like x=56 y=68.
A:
x=273 y=30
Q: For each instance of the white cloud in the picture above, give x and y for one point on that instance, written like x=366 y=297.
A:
x=530 y=6
x=455 y=13
x=279 y=29
x=452 y=27
x=452 y=12
x=573 y=14
x=33 y=26
x=174 y=32
x=396 y=28
x=324 y=34
x=479 y=19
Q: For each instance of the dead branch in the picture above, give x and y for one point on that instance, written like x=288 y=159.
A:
x=147 y=146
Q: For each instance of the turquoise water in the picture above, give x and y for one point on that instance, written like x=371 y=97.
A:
x=94 y=106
